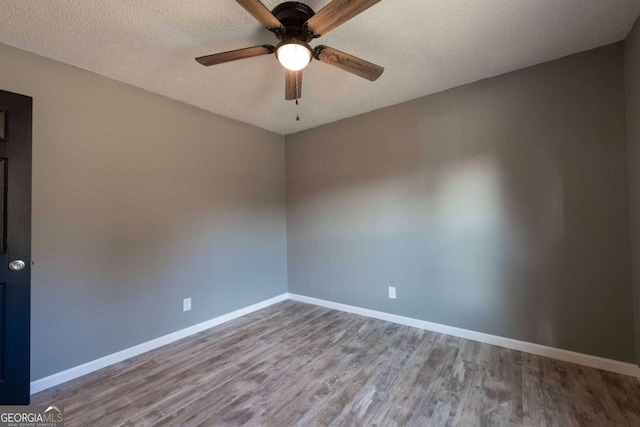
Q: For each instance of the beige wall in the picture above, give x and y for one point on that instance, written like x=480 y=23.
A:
x=138 y=202
x=499 y=206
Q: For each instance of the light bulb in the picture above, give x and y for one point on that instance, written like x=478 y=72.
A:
x=294 y=55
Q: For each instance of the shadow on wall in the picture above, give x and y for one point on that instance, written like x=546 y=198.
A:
x=501 y=210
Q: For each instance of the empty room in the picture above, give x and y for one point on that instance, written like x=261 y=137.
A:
x=320 y=213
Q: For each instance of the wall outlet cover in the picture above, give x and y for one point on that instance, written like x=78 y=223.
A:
x=186 y=304
x=392 y=292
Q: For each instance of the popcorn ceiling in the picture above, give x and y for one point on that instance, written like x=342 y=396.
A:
x=426 y=46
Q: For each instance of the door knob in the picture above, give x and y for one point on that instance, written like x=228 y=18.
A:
x=16 y=265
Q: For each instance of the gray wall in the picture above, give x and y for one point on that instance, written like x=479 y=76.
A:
x=632 y=73
x=500 y=206
x=138 y=202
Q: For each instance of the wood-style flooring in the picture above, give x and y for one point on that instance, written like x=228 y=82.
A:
x=298 y=364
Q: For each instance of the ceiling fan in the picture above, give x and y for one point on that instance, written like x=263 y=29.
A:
x=295 y=24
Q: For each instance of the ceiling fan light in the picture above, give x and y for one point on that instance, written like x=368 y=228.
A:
x=294 y=55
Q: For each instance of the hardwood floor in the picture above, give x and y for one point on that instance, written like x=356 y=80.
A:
x=298 y=364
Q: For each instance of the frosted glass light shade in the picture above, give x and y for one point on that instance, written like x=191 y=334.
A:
x=293 y=56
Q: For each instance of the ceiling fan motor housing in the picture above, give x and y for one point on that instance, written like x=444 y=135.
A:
x=293 y=15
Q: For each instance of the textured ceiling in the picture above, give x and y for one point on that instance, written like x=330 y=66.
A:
x=425 y=46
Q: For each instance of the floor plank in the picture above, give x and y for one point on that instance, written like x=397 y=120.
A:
x=298 y=364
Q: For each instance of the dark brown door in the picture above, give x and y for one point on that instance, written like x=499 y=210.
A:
x=15 y=246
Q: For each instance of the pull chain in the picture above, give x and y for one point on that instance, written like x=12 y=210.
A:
x=297 y=105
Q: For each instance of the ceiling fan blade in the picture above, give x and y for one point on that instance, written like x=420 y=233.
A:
x=336 y=13
x=234 y=55
x=292 y=84
x=347 y=62
x=261 y=13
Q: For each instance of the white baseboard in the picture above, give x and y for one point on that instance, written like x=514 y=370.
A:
x=94 y=365
x=527 y=347
x=541 y=350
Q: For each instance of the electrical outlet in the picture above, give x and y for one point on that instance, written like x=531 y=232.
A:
x=392 y=292
x=186 y=304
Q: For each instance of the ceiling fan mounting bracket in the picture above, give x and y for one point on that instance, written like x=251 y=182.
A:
x=293 y=15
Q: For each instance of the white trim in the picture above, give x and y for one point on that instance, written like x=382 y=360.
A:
x=527 y=347
x=94 y=365
x=541 y=350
